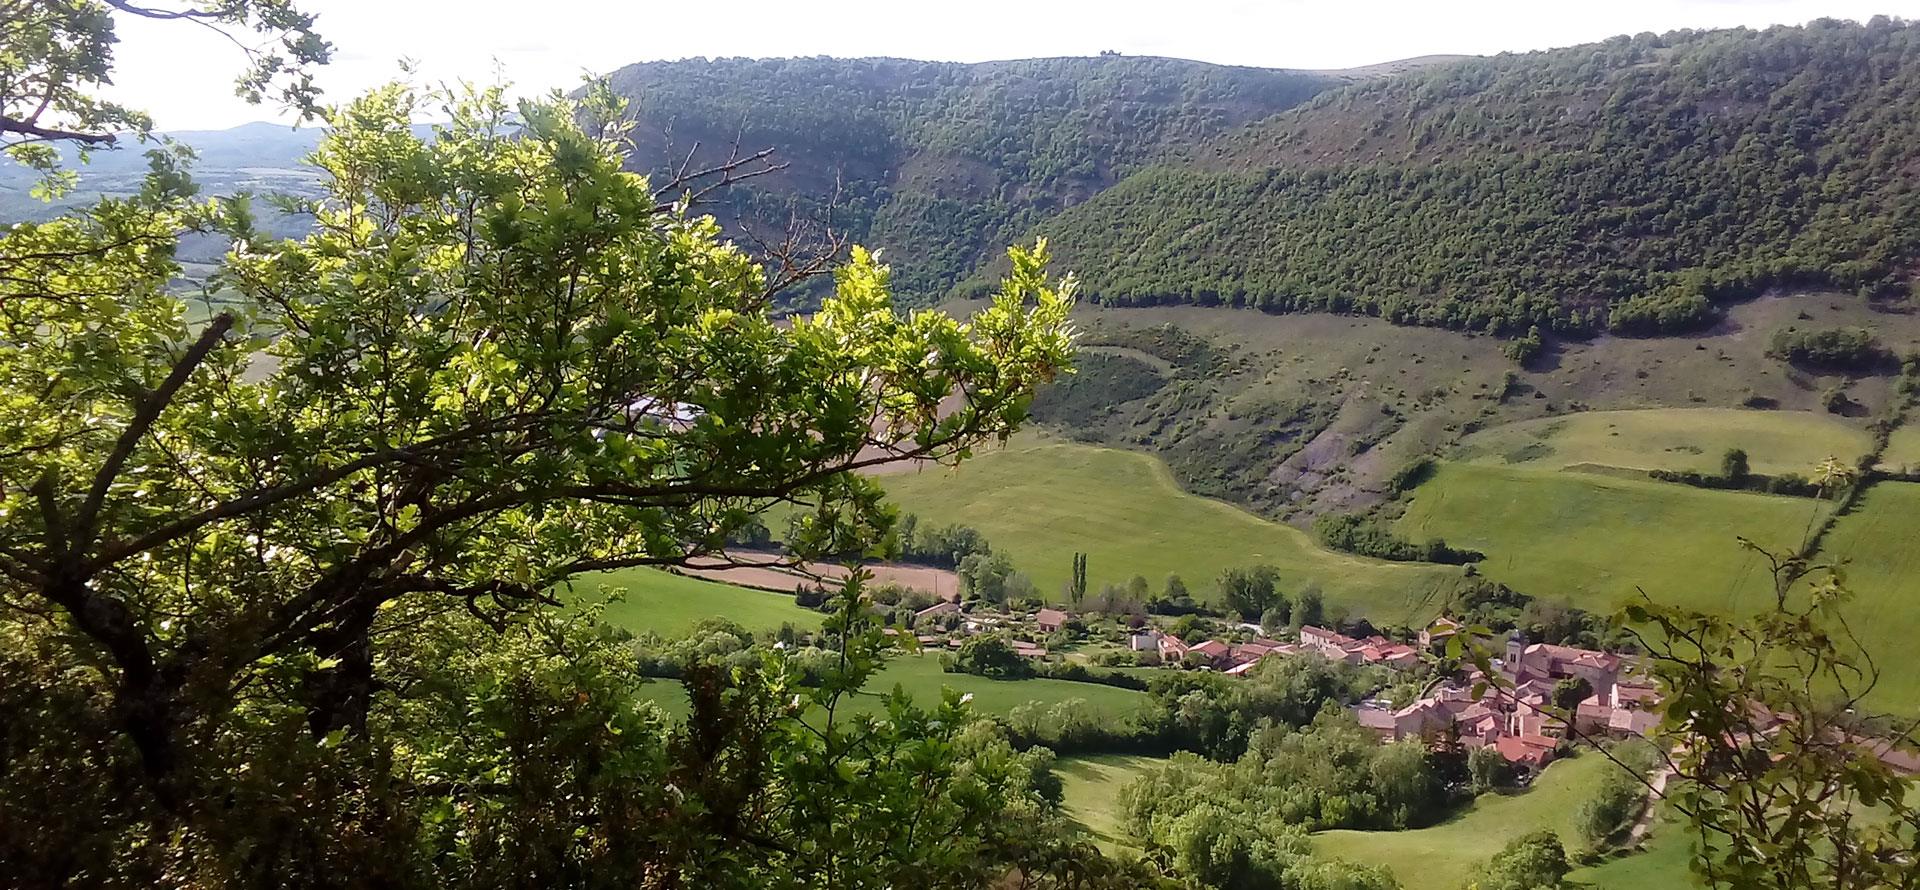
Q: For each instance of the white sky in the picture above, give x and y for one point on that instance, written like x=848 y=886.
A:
x=183 y=75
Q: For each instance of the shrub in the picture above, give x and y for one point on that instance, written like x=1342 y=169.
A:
x=1533 y=861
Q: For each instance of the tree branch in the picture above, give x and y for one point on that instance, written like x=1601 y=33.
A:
x=149 y=411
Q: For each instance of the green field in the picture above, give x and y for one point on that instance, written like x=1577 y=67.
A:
x=1091 y=786
x=668 y=604
x=1594 y=539
x=1880 y=544
x=921 y=677
x=1040 y=501
x=1903 y=448
x=1670 y=439
x=1443 y=856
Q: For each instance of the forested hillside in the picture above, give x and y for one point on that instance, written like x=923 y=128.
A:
x=1629 y=185
x=940 y=164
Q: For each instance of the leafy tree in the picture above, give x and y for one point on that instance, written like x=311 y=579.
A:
x=985 y=576
x=1252 y=591
x=496 y=362
x=1533 y=861
x=1487 y=770
x=1077 y=588
x=1733 y=466
x=990 y=655
x=1570 y=692
x=1310 y=610
x=1175 y=589
x=1611 y=808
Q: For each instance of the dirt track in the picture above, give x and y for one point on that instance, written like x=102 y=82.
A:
x=939 y=582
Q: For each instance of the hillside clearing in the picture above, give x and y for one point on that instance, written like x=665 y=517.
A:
x=669 y=605
x=1670 y=439
x=1040 y=501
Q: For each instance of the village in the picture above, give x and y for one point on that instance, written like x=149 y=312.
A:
x=1518 y=712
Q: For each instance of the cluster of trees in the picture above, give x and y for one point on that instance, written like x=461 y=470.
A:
x=1737 y=475
x=983 y=573
x=1627 y=185
x=1367 y=536
x=1254 y=595
x=1200 y=712
x=990 y=655
x=1327 y=773
x=1839 y=349
x=943 y=546
x=932 y=160
x=1481 y=602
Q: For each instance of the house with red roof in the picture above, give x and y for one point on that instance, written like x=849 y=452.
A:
x=1050 y=620
x=1530 y=751
x=1214 y=651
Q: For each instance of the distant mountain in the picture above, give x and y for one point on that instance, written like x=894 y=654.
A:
x=260 y=157
x=1633 y=184
x=941 y=164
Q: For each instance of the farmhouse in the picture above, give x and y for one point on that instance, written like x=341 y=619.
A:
x=1050 y=620
x=1372 y=650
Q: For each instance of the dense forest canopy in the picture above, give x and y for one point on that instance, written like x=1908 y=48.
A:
x=1630 y=184
x=938 y=162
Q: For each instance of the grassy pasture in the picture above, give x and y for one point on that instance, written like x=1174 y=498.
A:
x=1443 y=856
x=1042 y=500
x=1669 y=439
x=1594 y=539
x=668 y=604
x=1880 y=545
x=1903 y=448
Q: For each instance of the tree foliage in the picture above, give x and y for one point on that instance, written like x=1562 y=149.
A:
x=1251 y=592
x=1844 y=349
x=59 y=54
x=1533 y=861
x=496 y=362
x=1777 y=778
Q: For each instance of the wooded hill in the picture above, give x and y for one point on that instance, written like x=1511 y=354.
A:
x=941 y=164
x=1631 y=184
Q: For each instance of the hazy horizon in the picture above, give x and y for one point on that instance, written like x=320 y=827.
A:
x=183 y=75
